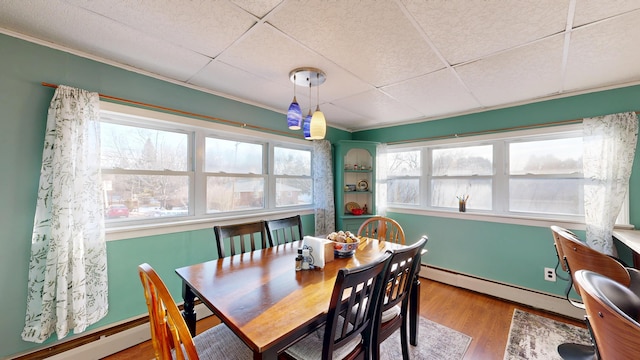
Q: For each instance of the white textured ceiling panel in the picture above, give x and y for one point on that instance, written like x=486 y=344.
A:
x=465 y=30
x=387 y=61
x=103 y=37
x=434 y=94
x=588 y=11
x=207 y=27
x=371 y=39
x=259 y=8
x=527 y=72
x=268 y=53
x=598 y=57
x=377 y=106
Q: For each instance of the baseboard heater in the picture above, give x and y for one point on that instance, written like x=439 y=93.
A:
x=532 y=298
x=114 y=338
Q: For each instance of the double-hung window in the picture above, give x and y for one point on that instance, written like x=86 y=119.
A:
x=158 y=167
x=529 y=173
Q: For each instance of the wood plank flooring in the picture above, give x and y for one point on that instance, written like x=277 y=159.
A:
x=486 y=319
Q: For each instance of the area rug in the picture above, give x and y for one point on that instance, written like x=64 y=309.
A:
x=535 y=337
x=435 y=342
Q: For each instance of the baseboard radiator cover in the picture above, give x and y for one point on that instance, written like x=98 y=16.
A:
x=535 y=299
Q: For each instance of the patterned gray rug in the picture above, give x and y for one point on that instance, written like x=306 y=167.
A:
x=534 y=337
x=435 y=342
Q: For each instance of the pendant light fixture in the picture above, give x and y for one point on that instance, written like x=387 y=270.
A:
x=318 y=122
x=308 y=76
x=294 y=115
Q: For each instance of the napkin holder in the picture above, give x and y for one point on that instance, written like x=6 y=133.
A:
x=322 y=250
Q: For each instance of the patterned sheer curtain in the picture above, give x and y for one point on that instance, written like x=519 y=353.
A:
x=323 y=188
x=381 y=180
x=609 y=148
x=67 y=286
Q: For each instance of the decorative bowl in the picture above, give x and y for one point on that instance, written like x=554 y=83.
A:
x=357 y=211
x=343 y=250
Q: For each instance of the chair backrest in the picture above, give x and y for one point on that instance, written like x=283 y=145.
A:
x=555 y=230
x=400 y=273
x=282 y=231
x=382 y=228
x=579 y=256
x=352 y=309
x=168 y=328
x=612 y=315
x=238 y=235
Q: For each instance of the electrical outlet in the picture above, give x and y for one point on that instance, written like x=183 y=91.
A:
x=550 y=274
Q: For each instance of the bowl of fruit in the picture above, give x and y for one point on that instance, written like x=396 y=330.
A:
x=345 y=243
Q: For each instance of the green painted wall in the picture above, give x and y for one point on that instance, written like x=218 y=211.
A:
x=507 y=253
x=23 y=110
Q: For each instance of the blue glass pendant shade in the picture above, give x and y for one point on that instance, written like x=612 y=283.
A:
x=306 y=126
x=294 y=115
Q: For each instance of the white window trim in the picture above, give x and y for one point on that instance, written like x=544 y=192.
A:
x=123 y=230
x=573 y=222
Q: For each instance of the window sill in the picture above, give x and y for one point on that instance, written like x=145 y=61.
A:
x=127 y=231
x=503 y=219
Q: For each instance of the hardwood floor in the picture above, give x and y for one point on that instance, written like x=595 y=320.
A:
x=484 y=318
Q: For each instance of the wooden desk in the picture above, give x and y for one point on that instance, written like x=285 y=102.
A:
x=268 y=304
x=630 y=238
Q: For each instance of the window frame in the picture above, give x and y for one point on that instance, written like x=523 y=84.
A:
x=500 y=212
x=198 y=131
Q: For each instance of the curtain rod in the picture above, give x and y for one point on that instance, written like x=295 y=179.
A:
x=187 y=113
x=493 y=131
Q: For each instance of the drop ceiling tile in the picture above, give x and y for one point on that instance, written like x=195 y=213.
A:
x=268 y=53
x=466 y=30
x=434 y=94
x=207 y=27
x=588 y=11
x=372 y=39
x=604 y=54
x=341 y=118
x=259 y=8
x=378 y=107
x=240 y=84
x=527 y=72
x=90 y=33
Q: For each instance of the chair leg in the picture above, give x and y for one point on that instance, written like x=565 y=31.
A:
x=571 y=351
x=404 y=339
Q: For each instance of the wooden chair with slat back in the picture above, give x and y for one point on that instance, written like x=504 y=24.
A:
x=613 y=313
x=286 y=230
x=394 y=307
x=238 y=235
x=351 y=319
x=169 y=333
x=382 y=228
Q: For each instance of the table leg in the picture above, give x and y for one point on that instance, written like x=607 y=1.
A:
x=414 y=312
x=189 y=313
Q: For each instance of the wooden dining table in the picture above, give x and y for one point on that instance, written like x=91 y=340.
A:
x=267 y=303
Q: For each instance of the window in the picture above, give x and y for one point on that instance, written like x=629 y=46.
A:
x=533 y=173
x=157 y=166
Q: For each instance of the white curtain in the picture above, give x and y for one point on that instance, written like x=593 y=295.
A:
x=67 y=286
x=381 y=180
x=325 y=212
x=609 y=149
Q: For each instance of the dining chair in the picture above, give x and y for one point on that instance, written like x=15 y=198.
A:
x=577 y=255
x=382 y=228
x=169 y=333
x=238 y=235
x=394 y=306
x=348 y=331
x=613 y=312
x=286 y=230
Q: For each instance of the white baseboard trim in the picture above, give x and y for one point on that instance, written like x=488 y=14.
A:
x=535 y=299
x=109 y=345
